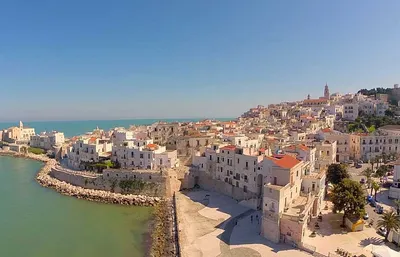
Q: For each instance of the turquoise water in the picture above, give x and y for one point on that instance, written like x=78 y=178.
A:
x=39 y=222
x=75 y=128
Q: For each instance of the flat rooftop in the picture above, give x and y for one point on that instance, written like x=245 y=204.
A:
x=297 y=207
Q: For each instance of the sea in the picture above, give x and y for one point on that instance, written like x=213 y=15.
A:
x=76 y=128
x=39 y=222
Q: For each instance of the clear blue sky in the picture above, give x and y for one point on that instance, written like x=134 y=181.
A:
x=95 y=59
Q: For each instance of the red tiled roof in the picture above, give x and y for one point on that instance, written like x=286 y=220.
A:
x=299 y=146
x=92 y=140
x=315 y=100
x=152 y=146
x=229 y=147
x=327 y=130
x=284 y=160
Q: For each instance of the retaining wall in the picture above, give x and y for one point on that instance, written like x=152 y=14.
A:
x=154 y=186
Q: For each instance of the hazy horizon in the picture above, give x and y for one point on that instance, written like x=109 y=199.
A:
x=91 y=60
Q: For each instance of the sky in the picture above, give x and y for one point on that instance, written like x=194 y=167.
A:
x=125 y=59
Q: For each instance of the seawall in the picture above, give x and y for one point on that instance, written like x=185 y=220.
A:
x=43 y=177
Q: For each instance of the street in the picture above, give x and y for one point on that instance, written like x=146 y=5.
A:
x=382 y=195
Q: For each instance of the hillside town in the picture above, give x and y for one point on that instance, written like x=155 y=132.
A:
x=275 y=161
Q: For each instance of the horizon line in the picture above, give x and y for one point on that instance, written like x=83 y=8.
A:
x=123 y=119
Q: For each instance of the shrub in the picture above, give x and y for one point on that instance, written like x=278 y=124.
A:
x=35 y=150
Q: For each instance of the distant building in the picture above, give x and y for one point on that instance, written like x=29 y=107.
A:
x=47 y=140
x=326 y=92
x=19 y=135
x=87 y=151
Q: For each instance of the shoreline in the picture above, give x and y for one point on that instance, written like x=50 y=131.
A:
x=101 y=196
x=152 y=245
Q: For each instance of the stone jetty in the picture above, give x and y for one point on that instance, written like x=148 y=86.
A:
x=64 y=188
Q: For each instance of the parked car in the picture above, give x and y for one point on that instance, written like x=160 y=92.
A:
x=369 y=198
x=382 y=231
x=362 y=181
x=366 y=216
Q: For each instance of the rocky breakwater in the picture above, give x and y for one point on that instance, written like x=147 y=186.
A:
x=44 y=179
x=62 y=187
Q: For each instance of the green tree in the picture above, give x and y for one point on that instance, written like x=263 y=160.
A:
x=336 y=173
x=384 y=157
x=389 y=113
x=372 y=162
x=368 y=174
x=381 y=171
x=376 y=187
x=390 y=221
x=397 y=204
x=348 y=196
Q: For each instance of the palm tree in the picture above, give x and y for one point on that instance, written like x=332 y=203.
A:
x=376 y=187
x=397 y=204
x=372 y=161
x=377 y=161
x=368 y=173
x=390 y=221
x=384 y=157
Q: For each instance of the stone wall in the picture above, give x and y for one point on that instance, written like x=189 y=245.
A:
x=140 y=182
x=206 y=182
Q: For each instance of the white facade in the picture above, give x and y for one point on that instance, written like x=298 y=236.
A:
x=134 y=155
x=350 y=111
x=88 y=151
x=381 y=108
x=46 y=140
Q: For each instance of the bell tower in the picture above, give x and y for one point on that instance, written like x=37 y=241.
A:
x=326 y=91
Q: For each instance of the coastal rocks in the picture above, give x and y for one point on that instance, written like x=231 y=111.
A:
x=45 y=180
x=62 y=187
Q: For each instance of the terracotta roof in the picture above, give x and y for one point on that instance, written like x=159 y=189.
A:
x=92 y=140
x=229 y=147
x=284 y=160
x=299 y=146
x=315 y=100
x=327 y=130
x=152 y=146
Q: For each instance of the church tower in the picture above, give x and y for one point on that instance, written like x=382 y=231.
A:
x=326 y=92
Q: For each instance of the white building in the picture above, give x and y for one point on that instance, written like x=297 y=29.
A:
x=143 y=154
x=46 y=140
x=381 y=107
x=91 y=150
x=350 y=111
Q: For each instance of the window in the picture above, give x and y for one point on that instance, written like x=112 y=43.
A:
x=148 y=156
x=238 y=160
x=247 y=165
x=217 y=159
x=245 y=178
x=313 y=186
x=297 y=173
x=210 y=157
x=141 y=156
x=237 y=183
x=245 y=189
